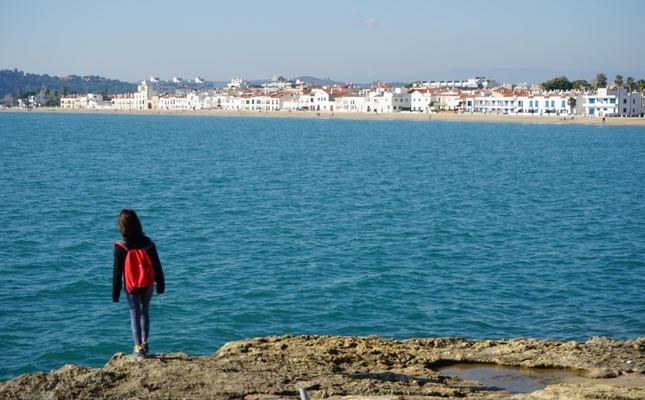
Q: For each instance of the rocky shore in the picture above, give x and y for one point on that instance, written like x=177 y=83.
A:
x=352 y=368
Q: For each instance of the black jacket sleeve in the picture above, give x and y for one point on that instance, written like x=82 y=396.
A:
x=117 y=272
x=156 y=264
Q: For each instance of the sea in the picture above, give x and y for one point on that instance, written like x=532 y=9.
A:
x=316 y=226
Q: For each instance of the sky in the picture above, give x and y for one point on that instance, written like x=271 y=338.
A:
x=356 y=41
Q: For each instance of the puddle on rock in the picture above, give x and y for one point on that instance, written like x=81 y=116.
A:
x=515 y=380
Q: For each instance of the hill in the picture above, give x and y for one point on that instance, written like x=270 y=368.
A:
x=322 y=82
x=12 y=81
x=329 y=82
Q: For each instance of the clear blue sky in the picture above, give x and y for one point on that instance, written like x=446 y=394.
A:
x=352 y=40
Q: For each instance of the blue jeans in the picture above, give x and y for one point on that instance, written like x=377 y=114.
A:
x=139 y=304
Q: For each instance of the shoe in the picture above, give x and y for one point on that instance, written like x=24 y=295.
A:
x=138 y=354
x=146 y=350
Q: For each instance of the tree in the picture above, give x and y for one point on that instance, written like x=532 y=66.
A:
x=630 y=84
x=601 y=81
x=572 y=103
x=7 y=100
x=11 y=81
x=561 y=83
x=641 y=85
x=413 y=85
x=581 y=84
x=618 y=81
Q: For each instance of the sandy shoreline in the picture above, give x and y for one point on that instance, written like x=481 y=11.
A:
x=410 y=116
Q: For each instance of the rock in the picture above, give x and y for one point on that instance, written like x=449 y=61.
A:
x=602 y=374
x=345 y=367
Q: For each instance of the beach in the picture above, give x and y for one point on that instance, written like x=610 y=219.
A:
x=409 y=116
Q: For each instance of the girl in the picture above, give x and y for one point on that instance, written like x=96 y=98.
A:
x=138 y=299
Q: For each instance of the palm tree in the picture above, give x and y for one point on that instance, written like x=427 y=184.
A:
x=618 y=83
x=641 y=85
x=572 y=103
x=601 y=81
x=630 y=84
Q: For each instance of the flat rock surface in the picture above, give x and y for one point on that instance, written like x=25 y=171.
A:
x=349 y=368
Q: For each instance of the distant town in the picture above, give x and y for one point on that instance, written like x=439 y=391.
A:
x=474 y=95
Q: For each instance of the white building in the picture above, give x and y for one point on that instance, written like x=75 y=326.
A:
x=125 y=101
x=177 y=84
x=298 y=101
x=238 y=83
x=90 y=100
x=316 y=100
x=146 y=98
x=278 y=83
x=470 y=84
x=260 y=101
x=508 y=102
x=388 y=101
x=400 y=100
x=420 y=100
x=613 y=102
x=485 y=102
x=320 y=100
x=349 y=102
x=447 y=100
x=174 y=102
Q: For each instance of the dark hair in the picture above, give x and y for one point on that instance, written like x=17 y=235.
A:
x=129 y=224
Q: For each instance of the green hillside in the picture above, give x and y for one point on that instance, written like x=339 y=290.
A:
x=19 y=84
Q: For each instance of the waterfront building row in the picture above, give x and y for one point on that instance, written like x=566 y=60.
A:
x=379 y=98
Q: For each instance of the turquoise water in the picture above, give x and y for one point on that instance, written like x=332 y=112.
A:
x=316 y=226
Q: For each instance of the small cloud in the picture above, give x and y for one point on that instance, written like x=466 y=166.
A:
x=370 y=23
x=367 y=22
